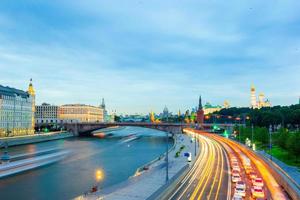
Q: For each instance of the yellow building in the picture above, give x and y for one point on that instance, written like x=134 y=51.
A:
x=16 y=111
x=72 y=113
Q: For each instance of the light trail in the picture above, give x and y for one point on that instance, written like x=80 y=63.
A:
x=274 y=188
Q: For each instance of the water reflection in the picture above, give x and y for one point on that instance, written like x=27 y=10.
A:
x=117 y=160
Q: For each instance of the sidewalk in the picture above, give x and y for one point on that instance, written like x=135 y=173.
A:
x=292 y=172
x=144 y=185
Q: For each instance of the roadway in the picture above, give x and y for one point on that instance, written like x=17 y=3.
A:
x=272 y=190
x=208 y=178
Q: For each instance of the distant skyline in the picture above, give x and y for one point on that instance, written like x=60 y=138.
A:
x=143 y=55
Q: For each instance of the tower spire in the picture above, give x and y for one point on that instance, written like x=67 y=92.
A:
x=200 y=103
x=31 y=89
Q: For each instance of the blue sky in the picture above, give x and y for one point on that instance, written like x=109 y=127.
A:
x=142 y=55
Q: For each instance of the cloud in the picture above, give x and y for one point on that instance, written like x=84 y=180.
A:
x=142 y=55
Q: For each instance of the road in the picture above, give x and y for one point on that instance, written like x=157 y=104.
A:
x=272 y=189
x=208 y=178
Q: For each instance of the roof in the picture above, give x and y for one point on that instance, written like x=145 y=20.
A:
x=8 y=91
x=208 y=105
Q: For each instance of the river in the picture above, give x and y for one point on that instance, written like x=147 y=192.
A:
x=116 y=157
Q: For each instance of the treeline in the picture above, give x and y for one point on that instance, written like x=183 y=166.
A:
x=286 y=140
x=286 y=116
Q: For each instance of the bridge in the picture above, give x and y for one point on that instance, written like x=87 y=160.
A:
x=86 y=128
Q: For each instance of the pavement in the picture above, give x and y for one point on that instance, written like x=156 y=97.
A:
x=148 y=182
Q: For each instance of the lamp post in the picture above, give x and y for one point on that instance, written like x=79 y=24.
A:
x=195 y=145
x=270 y=141
x=167 y=157
x=252 y=133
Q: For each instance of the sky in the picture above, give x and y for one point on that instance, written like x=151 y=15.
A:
x=141 y=55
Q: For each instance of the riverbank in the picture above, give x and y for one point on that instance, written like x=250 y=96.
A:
x=29 y=139
x=151 y=180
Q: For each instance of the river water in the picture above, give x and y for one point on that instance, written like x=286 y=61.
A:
x=117 y=157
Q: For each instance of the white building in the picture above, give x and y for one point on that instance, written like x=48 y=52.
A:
x=16 y=111
x=46 y=114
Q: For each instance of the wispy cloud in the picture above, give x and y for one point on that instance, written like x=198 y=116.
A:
x=142 y=55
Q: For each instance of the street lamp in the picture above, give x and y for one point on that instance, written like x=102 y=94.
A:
x=167 y=157
x=252 y=133
x=270 y=141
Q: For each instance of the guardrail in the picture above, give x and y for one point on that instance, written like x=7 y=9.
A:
x=284 y=180
x=289 y=184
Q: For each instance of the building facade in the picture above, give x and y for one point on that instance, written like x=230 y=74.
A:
x=17 y=111
x=208 y=108
x=76 y=113
x=261 y=100
x=46 y=114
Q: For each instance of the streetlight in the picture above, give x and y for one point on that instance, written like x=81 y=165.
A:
x=167 y=157
x=270 y=144
x=252 y=133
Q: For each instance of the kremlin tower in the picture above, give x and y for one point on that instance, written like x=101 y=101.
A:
x=200 y=113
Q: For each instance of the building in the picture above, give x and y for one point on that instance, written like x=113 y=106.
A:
x=226 y=104
x=17 y=111
x=208 y=108
x=261 y=100
x=46 y=114
x=200 y=112
x=72 y=113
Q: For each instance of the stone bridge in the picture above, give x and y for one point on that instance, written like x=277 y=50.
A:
x=174 y=128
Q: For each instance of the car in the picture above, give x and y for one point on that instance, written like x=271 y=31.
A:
x=258 y=182
x=240 y=184
x=257 y=192
x=234 y=164
x=236 y=178
x=237 y=197
x=233 y=159
x=235 y=172
x=240 y=191
x=236 y=168
x=189 y=158
x=252 y=175
x=248 y=170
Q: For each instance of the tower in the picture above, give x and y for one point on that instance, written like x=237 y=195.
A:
x=261 y=100
x=102 y=104
x=253 y=103
x=200 y=112
x=31 y=92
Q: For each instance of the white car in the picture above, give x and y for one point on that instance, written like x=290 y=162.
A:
x=189 y=159
x=240 y=191
x=235 y=173
x=257 y=192
x=236 y=178
x=237 y=197
x=258 y=182
x=236 y=169
x=240 y=184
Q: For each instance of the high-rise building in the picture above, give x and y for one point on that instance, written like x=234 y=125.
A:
x=253 y=103
x=200 y=112
x=46 y=114
x=72 y=113
x=16 y=111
